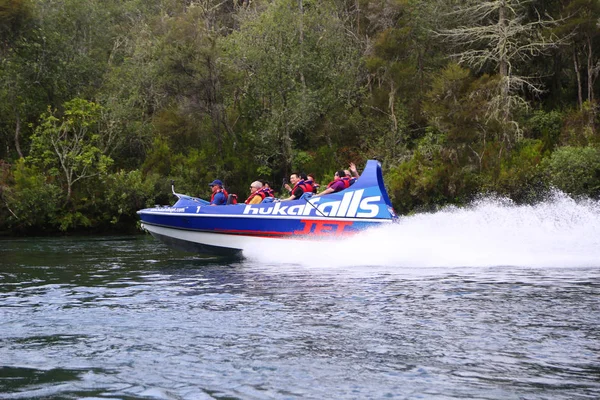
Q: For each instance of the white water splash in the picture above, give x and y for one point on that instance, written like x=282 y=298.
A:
x=560 y=232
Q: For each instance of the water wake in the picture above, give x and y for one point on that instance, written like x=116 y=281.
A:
x=560 y=232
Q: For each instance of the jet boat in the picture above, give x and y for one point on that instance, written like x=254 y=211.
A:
x=192 y=224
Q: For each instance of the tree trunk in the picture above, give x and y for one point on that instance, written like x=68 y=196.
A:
x=504 y=70
x=18 y=133
x=578 y=75
x=590 y=71
x=591 y=78
x=301 y=10
x=357 y=3
x=391 y=106
x=503 y=62
x=286 y=141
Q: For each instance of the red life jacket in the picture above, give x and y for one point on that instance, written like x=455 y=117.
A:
x=331 y=184
x=261 y=193
x=346 y=181
x=268 y=192
x=212 y=197
x=306 y=186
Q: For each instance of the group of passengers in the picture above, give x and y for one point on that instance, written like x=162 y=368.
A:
x=303 y=186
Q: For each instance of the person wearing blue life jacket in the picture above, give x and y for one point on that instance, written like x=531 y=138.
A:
x=219 y=195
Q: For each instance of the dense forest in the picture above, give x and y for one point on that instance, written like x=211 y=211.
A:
x=103 y=102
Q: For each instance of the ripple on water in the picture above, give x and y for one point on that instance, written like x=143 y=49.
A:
x=129 y=319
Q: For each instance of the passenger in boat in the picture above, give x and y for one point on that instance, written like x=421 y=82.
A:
x=301 y=186
x=351 y=175
x=267 y=188
x=337 y=185
x=219 y=195
x=311 y=178
x=257 y=195
x=302 y=176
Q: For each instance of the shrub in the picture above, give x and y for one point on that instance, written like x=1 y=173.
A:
x=546 y=126
x=520 y=177
x=575 y=170
x=34 y=204
x=127 y=192
x=423 y=184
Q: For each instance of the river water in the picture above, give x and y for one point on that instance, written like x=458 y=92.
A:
x=490 y=302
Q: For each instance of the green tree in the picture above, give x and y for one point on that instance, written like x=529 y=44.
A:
x=575 y=170
x=293 y=65
x=16 y=18
x=498 y=37
x=581 y=24
x=60 y=53
x=67 y=145
x=402 y=52
x=30 y=202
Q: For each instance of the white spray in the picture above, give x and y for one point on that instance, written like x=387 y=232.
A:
x=560 y=232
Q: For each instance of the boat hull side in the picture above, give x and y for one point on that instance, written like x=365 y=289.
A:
x=266 y=227
x=207 y=242
x=188 y=244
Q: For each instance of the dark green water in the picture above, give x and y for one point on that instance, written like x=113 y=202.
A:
x=126 y=318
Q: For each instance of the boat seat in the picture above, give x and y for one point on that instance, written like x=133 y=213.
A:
x=232 y=199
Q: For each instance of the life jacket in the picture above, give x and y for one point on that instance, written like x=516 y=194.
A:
x=348 y=182
x=331 y=184
x=212 y=197
x=306 y=186
x=267 y=191
x=260 y=192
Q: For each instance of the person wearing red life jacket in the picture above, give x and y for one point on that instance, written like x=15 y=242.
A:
x=219 y=195
x=306 y=184
x=337 y=185
x=300 y=187
x=311 y=179
x=267 y=189
x=351 y=175
x=257 y=195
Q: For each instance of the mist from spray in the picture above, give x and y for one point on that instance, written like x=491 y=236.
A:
x=560 y=232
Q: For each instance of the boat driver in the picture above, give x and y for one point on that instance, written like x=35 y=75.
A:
x=219 y=195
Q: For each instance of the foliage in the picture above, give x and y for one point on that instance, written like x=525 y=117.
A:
x=498 y=37
x=293 y=66
x=546 y=126
x=575 y=170
x=424 y=183
x=33 y=204
x=124 y=193
x=67 y=146
x=519 y=175
x=579 y=127
x=104 y=102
